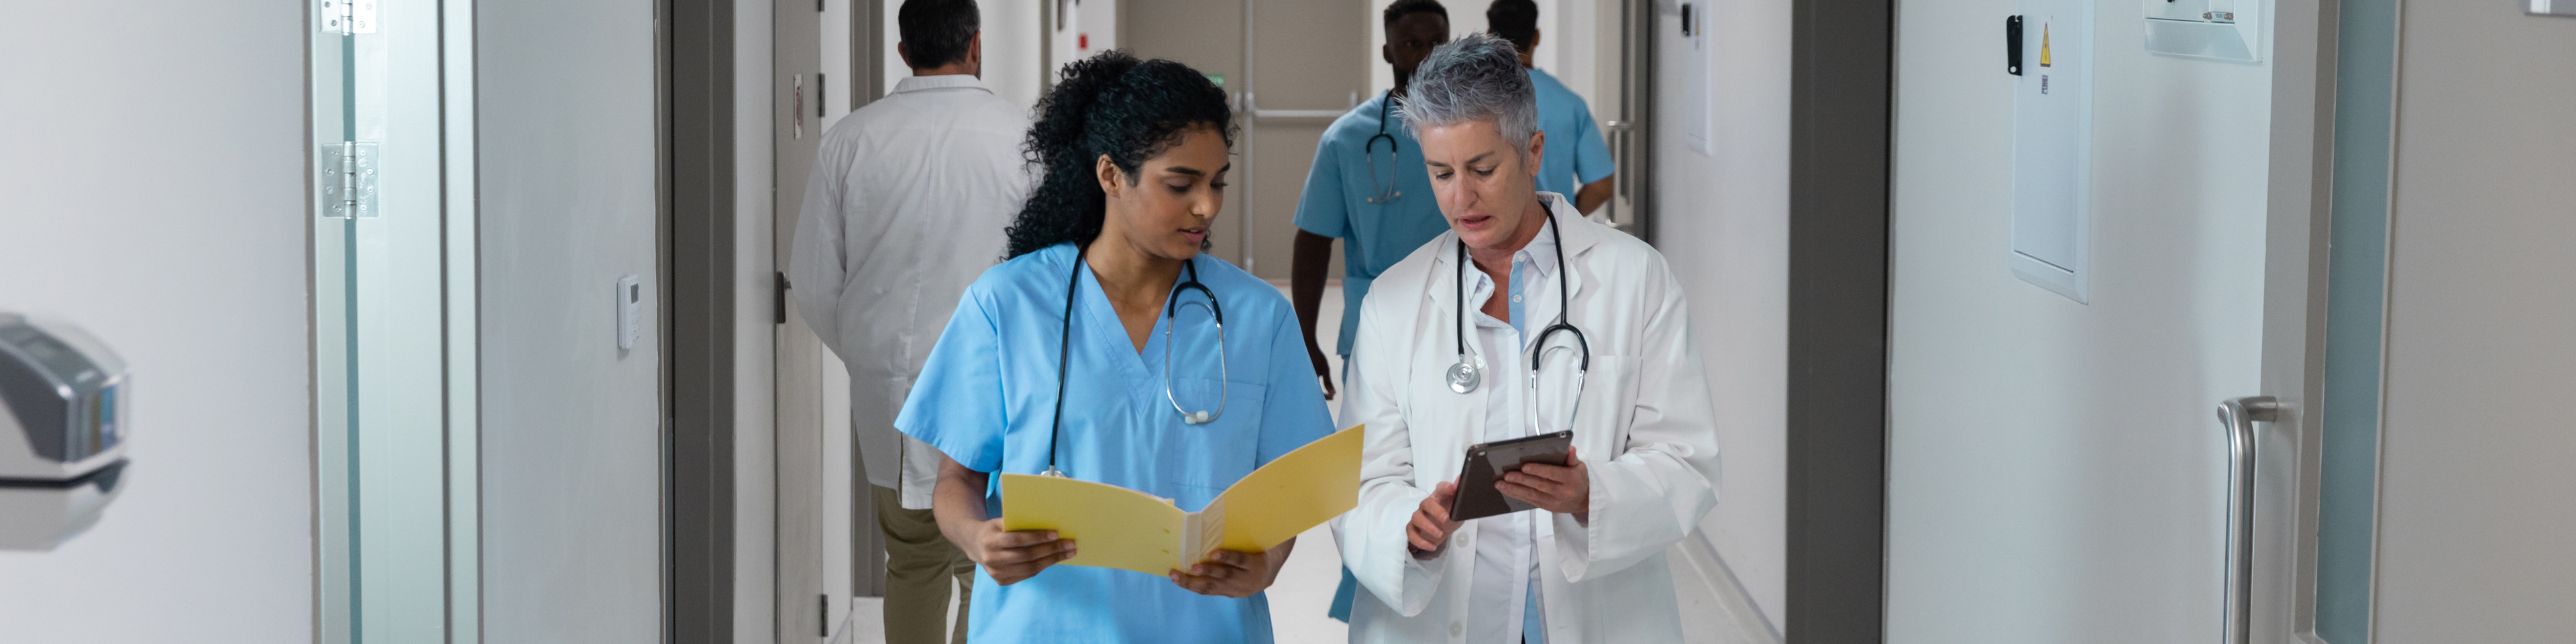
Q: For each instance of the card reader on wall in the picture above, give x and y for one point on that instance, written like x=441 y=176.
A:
x=2229 y=30
x=62 y=431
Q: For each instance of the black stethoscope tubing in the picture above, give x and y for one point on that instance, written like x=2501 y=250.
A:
x=1462 y=383
x=1381 y=192
x=1171 y=306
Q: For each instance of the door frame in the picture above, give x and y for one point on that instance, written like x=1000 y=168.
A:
x=2297 y=224
x=1840 y=144
x=695 y=78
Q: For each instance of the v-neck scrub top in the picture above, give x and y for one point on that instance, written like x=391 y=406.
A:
x=988 y=393
x=1347 y=173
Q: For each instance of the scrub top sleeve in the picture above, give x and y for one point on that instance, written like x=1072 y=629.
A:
x=958 y=404
x=1592 y=161
x=1321 y=209
x=1293 y=413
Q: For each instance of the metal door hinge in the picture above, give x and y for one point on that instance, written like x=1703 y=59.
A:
x=348 y=17
x=824 y=620
x=778 y=299
x=348 y=180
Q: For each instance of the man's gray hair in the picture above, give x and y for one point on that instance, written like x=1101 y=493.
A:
x=1476 y=78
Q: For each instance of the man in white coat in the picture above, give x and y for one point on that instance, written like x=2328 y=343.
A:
x=1586 y=566
x=906 y=207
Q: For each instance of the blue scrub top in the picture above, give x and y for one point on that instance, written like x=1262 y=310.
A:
x=1336 y=201
x=1576 y=154
x=988 y=394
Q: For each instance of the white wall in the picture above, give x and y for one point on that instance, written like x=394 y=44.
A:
x=572 y=437
x=2055 y=471
x=1722 y=220
x=152 y=190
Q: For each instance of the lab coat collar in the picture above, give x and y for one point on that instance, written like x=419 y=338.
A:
x=1580 y=235
x=945 y=81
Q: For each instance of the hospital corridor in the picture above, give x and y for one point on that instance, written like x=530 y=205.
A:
x=1292 y=321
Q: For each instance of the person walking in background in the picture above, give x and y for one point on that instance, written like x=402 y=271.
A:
x=1578 y=163
x=907 y=205
x=1368 y=189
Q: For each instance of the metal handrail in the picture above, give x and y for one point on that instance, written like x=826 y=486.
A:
x=1254 y=108
x=2237 y=418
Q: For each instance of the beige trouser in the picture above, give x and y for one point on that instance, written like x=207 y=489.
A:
x=920 y=565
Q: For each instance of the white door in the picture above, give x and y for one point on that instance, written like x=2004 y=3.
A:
x=2477 y=538
x=820 y=508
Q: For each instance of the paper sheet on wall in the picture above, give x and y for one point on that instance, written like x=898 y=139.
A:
x=1115 y=527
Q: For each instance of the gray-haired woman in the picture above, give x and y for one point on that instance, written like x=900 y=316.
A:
x=1561 y=325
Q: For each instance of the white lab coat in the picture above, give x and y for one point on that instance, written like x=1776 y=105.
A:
x=1645 y=429
x=906 y=207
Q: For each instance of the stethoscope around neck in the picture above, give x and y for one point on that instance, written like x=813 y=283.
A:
x=1464 y=376
x=1382 y=192
x=1171 y=307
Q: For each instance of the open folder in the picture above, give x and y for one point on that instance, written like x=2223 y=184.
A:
x=1115 y=527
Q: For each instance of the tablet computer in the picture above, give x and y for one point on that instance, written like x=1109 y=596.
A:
x=1488 y=462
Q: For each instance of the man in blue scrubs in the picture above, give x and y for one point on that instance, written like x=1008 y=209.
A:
x=1367 y=188
x=1577 y=161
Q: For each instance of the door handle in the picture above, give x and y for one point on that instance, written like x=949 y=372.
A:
x=2237 y=418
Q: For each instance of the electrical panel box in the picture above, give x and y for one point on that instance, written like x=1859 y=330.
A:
x=2049 y=48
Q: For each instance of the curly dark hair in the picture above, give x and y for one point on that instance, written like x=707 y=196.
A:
x=1109 y=104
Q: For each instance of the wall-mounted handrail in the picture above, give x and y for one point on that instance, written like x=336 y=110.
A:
x=2237 y=418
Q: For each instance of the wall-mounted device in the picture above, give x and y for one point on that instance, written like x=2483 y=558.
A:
x=62 y=431
x=2229 y=30
x=1694 y=64
x=2049 y=50
x=630 y=312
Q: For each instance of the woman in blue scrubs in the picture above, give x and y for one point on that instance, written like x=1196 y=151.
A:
x=1091 y=351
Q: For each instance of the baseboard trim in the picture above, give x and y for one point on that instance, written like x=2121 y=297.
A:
x=1701 y=558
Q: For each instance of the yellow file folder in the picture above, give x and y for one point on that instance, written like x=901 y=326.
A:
x=1115 y=527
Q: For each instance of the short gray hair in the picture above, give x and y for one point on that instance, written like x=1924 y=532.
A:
x=1476 y=78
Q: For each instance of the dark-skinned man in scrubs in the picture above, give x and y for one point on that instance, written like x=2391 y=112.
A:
x=1368 y=189
x=1577 y=162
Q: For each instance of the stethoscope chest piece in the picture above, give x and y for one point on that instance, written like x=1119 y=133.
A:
x=1463 y=377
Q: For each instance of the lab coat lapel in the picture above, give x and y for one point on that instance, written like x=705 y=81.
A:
x=1580 y=235
x=1450 y=436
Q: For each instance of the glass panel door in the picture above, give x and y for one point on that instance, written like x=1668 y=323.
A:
x=384 y=316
